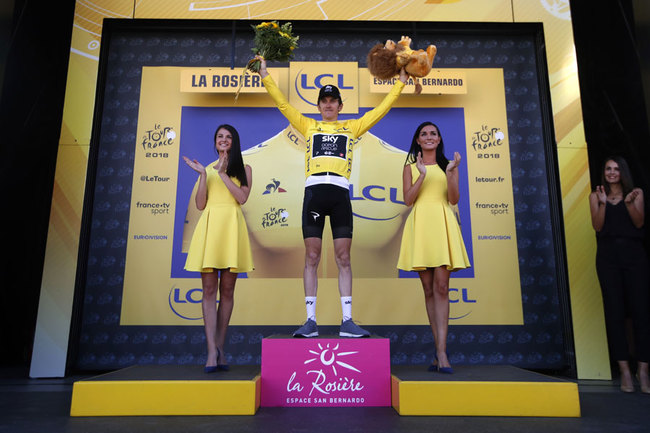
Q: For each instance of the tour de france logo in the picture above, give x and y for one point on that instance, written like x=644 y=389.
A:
x=275 y=217
x=157 y=140
x=487 y=141
x=331 y=358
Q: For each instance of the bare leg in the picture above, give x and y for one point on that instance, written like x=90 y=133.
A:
x=226 y=303
x=426 y=278
x=312 y=258
x=441 y=312
x=627 y=385
x=342 y=254
x=210 y=282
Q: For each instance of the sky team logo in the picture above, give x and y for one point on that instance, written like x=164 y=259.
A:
x=330 y=145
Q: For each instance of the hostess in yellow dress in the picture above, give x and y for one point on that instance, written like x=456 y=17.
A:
x=432 y=235
x=220 y=238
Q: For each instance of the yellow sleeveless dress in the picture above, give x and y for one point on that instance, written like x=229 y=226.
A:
x=431 y=235
x=220 y=238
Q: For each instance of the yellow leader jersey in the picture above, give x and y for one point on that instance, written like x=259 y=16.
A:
x=329 y=144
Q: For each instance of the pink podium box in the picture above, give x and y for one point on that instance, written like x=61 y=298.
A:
x=325 y=372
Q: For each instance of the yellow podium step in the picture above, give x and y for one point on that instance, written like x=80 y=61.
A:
x=168 y=390
x=482 y=391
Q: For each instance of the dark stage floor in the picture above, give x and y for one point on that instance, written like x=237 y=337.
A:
x=43 y=405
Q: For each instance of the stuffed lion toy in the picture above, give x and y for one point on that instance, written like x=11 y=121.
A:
x=386 y=60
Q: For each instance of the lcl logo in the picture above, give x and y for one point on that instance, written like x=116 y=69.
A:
x=304 y=83
x=182 y=302
x=461 y=296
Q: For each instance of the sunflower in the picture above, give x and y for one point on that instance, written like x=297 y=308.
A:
x=273 y=42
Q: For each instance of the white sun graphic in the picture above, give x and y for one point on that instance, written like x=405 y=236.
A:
x=558 y=8
x=328 y=357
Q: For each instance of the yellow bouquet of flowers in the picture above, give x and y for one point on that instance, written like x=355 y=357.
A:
x=273 y=42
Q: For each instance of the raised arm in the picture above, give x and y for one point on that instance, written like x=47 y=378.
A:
x=412 y=189
x=368 y=120
x=294 y=116
x=201 y=197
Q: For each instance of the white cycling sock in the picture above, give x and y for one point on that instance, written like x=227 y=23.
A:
x=310 y=304
x=346 y=307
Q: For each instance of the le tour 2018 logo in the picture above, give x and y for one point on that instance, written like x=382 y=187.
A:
x=156 y=141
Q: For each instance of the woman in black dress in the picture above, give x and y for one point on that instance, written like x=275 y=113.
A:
x=617 y=215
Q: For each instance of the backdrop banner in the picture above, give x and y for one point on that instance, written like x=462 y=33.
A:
x=171 y=123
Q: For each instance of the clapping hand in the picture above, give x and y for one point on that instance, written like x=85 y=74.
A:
x=419 y=164
x=601 y=194
x=453 y=164
x=195 y=165
x=222 y=163
x=632 y=196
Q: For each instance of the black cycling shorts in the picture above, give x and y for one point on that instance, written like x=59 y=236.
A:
x=326 y=199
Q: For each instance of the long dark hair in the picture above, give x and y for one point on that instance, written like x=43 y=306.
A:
x=441 y=159
x=626 y=175
x=235 y=161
